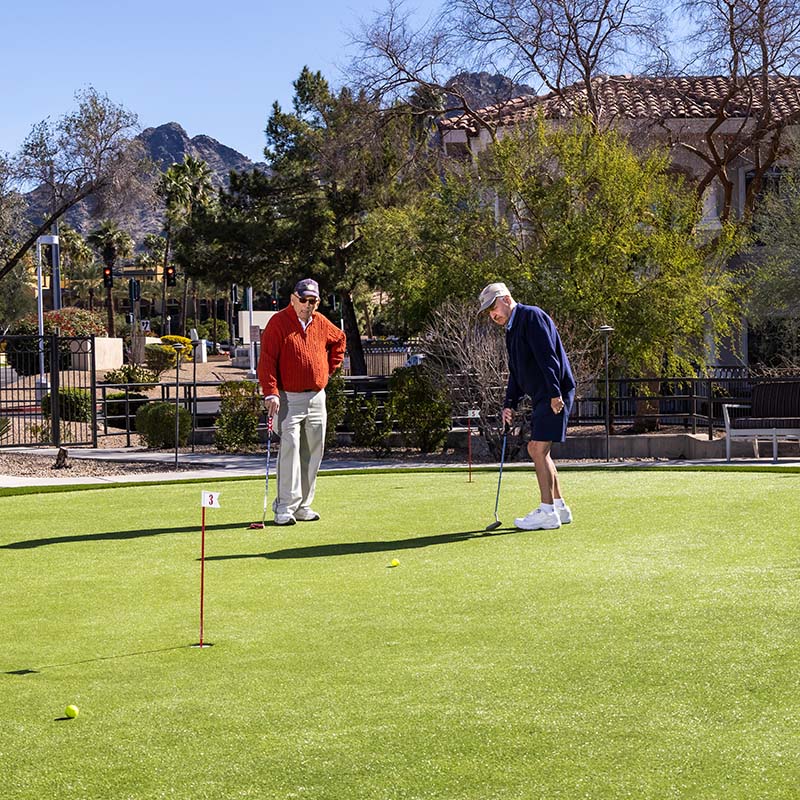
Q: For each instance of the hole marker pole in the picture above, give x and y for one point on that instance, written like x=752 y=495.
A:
x=469 y=447
x=202 y=569
x=207 y=500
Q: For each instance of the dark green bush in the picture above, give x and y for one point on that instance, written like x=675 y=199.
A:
x=421 y=410
x=115 y=409
x=155 y=423
x=159 y=357
x=370 y=428
x=240 y=409
x=74 y=405
x=131 y=373
x=205 y=329
x=335 y=404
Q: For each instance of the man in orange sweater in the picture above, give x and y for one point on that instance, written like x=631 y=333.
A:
x=300 y=349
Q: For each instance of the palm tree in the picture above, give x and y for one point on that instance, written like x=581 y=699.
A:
x=183 y=187
x=81 y=271
x=111 y=242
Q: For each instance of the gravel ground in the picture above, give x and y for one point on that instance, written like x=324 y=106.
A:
x=29 y=465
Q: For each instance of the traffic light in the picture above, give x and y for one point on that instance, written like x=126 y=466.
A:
x=108 y=277
x=134 y=290
x=170 y=275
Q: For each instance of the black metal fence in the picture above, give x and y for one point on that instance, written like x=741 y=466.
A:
x=47 y=390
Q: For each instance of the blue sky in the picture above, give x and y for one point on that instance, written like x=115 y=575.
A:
x=214 y=67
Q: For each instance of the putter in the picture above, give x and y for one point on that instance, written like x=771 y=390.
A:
x=493 y=526
x=259 y=525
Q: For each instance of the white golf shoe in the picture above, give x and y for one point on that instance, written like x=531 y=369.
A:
x=306 y=515
x=539 y=520
x=565 y=515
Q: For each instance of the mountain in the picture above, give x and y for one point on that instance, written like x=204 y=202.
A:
x=168 y=144
x=165 y=145
x=483 y=89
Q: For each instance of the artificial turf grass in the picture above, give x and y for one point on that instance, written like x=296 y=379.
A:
x=647 y=649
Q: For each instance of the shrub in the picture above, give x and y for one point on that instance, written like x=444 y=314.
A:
x=370 y=428
x=205 y=329
x=186 y=353
x=335 y=404
x=115 y=409
x=422 y=412
x=159 y=357
x=131 y=373
x=74 y=405
x=240 y=409
x=155 y=423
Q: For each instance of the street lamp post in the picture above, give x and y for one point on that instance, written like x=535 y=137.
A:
x=42 y=385
x=607 y=330
x=178 y=347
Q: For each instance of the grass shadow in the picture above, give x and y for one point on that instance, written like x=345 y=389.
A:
x=356 y=548
x=110 y=536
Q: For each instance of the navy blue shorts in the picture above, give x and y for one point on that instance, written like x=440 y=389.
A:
x=547 y=426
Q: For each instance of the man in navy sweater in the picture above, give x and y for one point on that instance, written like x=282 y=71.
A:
x=539 y=367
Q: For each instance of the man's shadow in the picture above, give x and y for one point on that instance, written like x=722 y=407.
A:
x=356 y=548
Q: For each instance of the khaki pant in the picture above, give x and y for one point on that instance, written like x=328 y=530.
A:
x=302 y=420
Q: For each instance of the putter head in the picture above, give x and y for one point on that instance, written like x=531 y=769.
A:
x=494 y=525
x=256 y=525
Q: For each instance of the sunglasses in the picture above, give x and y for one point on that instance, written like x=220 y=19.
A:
x=312 y=300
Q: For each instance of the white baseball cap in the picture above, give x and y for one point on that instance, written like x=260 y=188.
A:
x=490 y=294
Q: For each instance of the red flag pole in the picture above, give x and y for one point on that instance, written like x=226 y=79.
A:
x=469 y=446
x=202 y=569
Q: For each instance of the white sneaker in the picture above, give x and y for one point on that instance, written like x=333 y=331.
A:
x=565 y=515
x=539 y=520
x=306 y=515
x=284 y=519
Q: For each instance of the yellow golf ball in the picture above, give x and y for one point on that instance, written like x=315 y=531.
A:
x=395 y=563
x=71 y=711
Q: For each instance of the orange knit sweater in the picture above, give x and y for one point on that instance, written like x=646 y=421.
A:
x=298 y=360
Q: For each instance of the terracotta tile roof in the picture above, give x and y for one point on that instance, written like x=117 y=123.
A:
x=626 y=97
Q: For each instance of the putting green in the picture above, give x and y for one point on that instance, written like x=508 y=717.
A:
x=648 y=650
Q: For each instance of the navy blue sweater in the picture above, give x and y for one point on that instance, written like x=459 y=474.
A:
x=537 y=361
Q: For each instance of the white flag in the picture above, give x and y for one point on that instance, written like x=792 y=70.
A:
x=210 y=500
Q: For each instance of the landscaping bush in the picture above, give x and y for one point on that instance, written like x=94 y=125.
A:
x=240 y=409
x=422 y=412
x=155 y=423
x=205 y=329
x=115 y=409
x=370 y=428
x=74 y=405
x=335 y=404
x=186 y=353
x=131 y=373
x=159 y=357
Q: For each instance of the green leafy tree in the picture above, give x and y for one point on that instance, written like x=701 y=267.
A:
x=604 y=235
x=185 y=188
x=79 y=267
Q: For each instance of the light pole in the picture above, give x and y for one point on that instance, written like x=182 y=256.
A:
x=42 y=385
x=178 y=347
x=607 y=330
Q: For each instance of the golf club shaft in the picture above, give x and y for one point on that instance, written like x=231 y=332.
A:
x=266 y=475
x=500 y=476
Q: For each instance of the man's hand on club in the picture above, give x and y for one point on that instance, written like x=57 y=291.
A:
x=508 y=416
x=557 y=404
x=272 y=404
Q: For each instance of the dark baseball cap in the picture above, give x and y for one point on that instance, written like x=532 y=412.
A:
x=307 y=287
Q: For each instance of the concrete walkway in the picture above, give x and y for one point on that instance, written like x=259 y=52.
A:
x=219 y=465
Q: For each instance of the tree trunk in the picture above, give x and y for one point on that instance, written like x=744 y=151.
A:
x=358 y=364
x=91 y=298
x=184 y=305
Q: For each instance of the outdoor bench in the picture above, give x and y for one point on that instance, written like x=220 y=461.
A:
x=774 y=414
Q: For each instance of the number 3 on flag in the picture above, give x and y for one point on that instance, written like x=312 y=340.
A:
x=210 y=500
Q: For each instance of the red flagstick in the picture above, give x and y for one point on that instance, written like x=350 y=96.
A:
x=202 y=569
x=469 y=446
